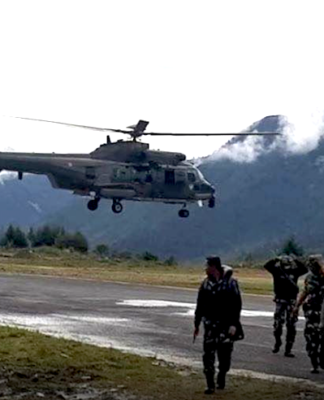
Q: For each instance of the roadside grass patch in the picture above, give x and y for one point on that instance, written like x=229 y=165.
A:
x=61 y=263
x=37 y=365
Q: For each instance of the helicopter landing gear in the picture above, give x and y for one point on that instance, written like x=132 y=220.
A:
x=183 y=213
x=211 y=202
x=93 y=204
x=117 y=206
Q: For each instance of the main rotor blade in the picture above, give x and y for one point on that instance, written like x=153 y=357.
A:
x=213 y=134
x=138 y=134
x=75 y=125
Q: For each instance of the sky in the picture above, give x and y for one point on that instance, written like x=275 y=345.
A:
x=185 y=66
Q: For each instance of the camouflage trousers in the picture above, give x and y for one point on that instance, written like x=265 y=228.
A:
x=216 y=341
x=321 y=354
x=284 y=314
x=312 y=331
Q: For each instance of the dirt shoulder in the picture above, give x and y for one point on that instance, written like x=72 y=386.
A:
x=35 y=366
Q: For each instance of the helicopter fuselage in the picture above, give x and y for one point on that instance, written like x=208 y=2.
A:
x=100 y=178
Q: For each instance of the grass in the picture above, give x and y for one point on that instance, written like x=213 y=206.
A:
x=52 y=262
x=41 y=366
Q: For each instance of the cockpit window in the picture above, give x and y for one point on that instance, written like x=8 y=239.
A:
x=191 y=177
x=200 y=175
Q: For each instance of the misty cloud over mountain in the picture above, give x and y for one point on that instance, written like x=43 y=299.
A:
x=295 y=138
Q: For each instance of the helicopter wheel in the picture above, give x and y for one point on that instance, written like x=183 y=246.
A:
x=93 y=204
x=117 y=207
x=183 y=213
x=211 y=202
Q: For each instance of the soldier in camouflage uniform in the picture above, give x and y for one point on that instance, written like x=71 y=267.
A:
x=312 y=299
x=321 y=358
x=285 y=271
x=218 y=306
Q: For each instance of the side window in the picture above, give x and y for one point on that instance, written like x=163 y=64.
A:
x=180 y=176
x=169 y=176
x=123 y=174
x=191 y=177
x=148 y=178
x=90 y=172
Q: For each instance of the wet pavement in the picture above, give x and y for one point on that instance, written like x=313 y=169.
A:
x=146 y=320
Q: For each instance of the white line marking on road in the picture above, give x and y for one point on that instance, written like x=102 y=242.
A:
x=56 y=319
x=154 y=303
x=190 y=306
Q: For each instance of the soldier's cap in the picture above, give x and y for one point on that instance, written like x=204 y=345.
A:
x=315 y=258
x=315 y=261
x=214 y=261
x=286 y=260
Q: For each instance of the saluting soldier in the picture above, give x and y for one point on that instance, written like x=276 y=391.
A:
x=219 y=306
x=312 y=298
x=285 y=271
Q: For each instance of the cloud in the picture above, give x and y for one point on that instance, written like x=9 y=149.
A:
x=242 y=151
x=6 y=175
x=300 y=133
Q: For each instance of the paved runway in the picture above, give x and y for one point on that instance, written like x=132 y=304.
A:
x=143 y=319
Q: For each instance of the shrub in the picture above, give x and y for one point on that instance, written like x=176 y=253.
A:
x=75 y=241
x=102 y=250
x=147 y=256
x=170 y=261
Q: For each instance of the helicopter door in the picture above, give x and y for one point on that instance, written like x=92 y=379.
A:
x=169 y=177
x=180 y=177
x=90 y=172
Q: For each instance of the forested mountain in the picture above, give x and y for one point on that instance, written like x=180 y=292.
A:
x=260 y=204
x=28 y=201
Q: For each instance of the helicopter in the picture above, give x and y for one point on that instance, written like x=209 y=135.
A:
x=121 y=170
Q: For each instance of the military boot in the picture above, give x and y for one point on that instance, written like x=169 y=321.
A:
x=321 y=356
x=314 y=361
x=321 y=359
x=288 y=348
x=277 y=346
x=210 y=384
x=221 y=377
x=322 y=362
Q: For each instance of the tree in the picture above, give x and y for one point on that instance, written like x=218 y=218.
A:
x=14 y=237
x=31 y=236
x=9 y=236
x=20 y=239
x=291 y=246
x=47 y=236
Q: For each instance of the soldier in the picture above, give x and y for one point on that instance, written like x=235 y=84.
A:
x=285 y=271
x=219 y=307
x=321 y=357
x=312 y=298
